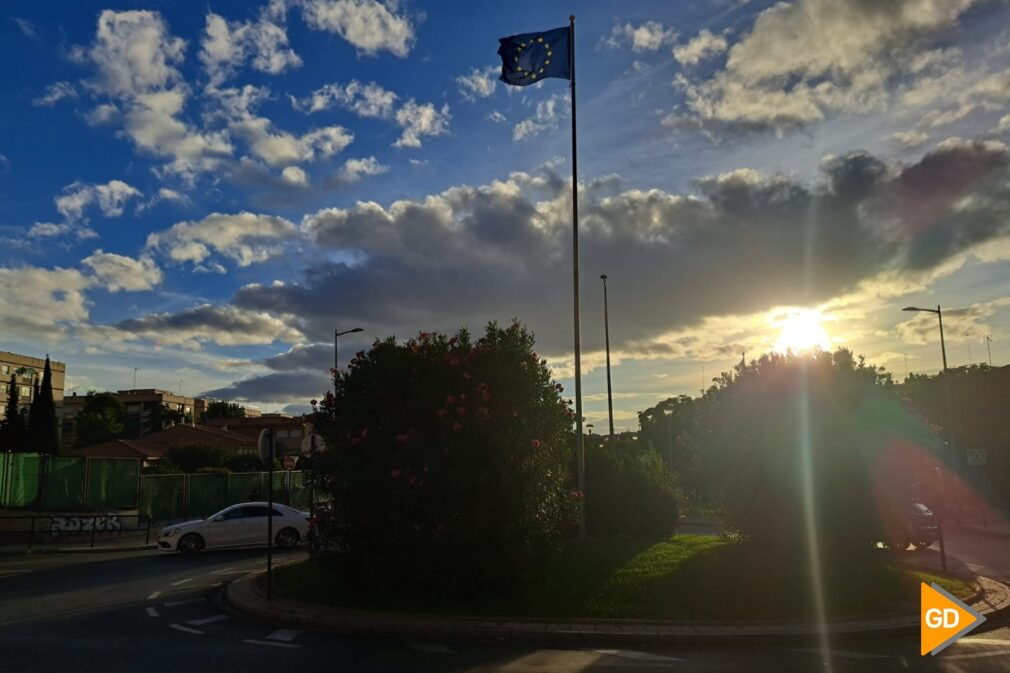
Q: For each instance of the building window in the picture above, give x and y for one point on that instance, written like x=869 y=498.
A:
x=5 y=369
x=26 y=391
x=68 y=426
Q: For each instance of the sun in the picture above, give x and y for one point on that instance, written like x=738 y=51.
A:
x=801 y=331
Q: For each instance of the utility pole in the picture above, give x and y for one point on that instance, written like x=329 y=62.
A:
x=606 y=332
x=988 y=340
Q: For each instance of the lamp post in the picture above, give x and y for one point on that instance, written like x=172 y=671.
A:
x=336 y=352
x=606 y=333
x=939 y=316
x=948 y=430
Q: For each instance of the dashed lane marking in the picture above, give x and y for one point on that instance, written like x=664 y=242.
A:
x=188 y=601
x=180 y=582
x=636 y=655
x=151 y=611
x=233 y=572
x=185 y=629
x=431 y=648
x=284 y=635
x=207 y=620
x=272 y=643
x=154 y=595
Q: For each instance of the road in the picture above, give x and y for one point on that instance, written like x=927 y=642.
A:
x=145 y=611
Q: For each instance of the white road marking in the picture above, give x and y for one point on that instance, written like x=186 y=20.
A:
x=431 y=648
x=233 y=572
x=188 y=579
x=154 y=595
x=223 y=570
x=271 y=643
x=637 y=656
x=285 y=635
x=189 y=601
x=208 y=620
x=845 y=654
x=985 y=641
x=152 y=611
x=4 y=574
x=184 y=629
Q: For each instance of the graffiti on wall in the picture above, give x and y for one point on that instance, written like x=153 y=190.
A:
x=63 y=525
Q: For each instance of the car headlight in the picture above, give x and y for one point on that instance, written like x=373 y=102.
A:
x=170 y=532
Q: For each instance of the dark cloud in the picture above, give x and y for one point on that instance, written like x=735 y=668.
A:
x=224 y=325
x=291 y=387
x=744 y=243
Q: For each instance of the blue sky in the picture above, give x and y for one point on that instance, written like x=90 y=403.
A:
x=205 y=191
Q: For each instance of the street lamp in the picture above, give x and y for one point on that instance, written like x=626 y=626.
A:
x=606 y=332
x=590 y=428
x=939 y=315
x=336 y=353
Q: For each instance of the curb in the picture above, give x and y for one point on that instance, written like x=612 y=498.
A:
x=246 y=597
x=1003 y=535
x=78 y=550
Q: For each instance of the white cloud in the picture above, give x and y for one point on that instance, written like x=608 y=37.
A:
x=110 y=197
x=165 y=195
x=649 y=36
x=26 y=26
x=548 y=113
x=369 y=25
x=227 y=45
x=353 y=169
x=801 y=62
x=704 y=45
x=497 y=117
x=907 y=140
x=135 y=54
x=418 y=120
x=118 y=272
x=136 y=58
x=1004 y=125
x=36 y=303
x=480 y=83
x=365 y=100
x=102 y=114
x=54 y=230
x=293 y=175
x=54 y=93
x=244 y=238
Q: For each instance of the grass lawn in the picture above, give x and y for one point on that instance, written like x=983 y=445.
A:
x=686 y=577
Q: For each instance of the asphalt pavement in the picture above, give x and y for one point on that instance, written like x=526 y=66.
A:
x=145 y=611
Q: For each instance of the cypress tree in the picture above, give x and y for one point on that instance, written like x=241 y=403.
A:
x=46 y=436
x=13 y=429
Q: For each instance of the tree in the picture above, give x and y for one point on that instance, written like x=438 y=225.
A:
x=224 y=409
x=12 y=433
x=161 y=416
x=794 y=440
x=42 y=432
x=448 y=464
x=100 y=420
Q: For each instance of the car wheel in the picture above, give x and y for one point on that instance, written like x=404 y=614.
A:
x=287 y=538
x=191 y=543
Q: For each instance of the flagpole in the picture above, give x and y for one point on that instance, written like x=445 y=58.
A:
x=579 y=444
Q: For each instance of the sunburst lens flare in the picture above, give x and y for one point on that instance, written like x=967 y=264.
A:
x=802 y=331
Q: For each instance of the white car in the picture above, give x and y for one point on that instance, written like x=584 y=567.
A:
x=241 y=525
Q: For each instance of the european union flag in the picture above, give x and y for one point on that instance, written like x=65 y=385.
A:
x=530 y=57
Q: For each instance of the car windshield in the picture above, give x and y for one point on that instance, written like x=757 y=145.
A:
x=660 y=335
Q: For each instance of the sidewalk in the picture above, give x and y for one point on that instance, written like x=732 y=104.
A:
x=247 y=596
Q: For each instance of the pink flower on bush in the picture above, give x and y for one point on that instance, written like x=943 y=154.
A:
x=462 y=398
x=395 y=474
x=412 y=480
x=402 y=438
x=453 y=361
x=456 y=426
x=364 y=434
x=466 y=375
x=536 y=443
x=442 y=413
x=485 y=395
x=575 y=495
x=450 y=400
x=461 y=411
x=355 y=441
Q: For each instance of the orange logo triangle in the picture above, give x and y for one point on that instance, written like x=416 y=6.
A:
x=943 y=619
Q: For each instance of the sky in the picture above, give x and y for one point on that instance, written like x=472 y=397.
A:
x=203 y=192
